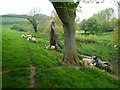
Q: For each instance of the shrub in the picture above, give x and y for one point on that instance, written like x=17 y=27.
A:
x=15 y=27
x=92 y=38
x=18 y=28
x=82 y=38
x=115 y=38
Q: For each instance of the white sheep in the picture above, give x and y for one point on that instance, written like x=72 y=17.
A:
x=92 y=65
x=89 y=61
x=33 y=39
x=29 y=38
x=29 y=35
x=115 y=46
x=103 y=65
x=23 y=35
x=52 y=47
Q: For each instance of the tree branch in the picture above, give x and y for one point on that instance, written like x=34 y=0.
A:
x=62 y=11
x=77 y=3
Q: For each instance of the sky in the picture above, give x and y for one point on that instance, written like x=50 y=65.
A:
x=45 y=6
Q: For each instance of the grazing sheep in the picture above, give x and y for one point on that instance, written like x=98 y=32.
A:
x=89 y=61
x=92 y=65
x=104 y=65
x=52 y=47
x=115 y=46
x=23 y=35
x=33 y=39
x=29 y=38
x=29 y=35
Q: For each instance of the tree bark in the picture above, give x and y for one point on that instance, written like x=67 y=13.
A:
x=69 y=55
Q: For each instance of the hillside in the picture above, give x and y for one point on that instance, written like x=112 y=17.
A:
x=21 y=59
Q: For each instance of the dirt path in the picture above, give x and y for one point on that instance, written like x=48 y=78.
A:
x=32 y=75
x=32 y=82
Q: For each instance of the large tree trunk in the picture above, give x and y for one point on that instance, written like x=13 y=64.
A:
x=66 y=13
x=69 y=43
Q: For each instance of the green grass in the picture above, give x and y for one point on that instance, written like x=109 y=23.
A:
x=14 y=50
x=18 y=78
x=14 y=58
x=105 y=53
x=70 y=78
x=17 y=52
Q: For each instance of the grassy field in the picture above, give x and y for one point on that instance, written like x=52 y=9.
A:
x=12 y=19
x=17 y=53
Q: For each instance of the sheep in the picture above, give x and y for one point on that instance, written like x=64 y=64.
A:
x=33 y=39
x=92 y=65
x=23 y=35
x=29 y=38
x=104 y=65
x=89 y=61
x=115 y=46
x=52 y=47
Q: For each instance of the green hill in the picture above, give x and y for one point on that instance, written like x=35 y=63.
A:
x=18 y=54
x=49 y=72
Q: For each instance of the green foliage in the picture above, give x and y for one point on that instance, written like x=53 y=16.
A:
x=91 y=26
x=115 y=33
x=83 y=38
x=104 y=18
x=100 y=48
x=17 y=28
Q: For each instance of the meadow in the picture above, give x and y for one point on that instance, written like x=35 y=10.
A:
x=17 y=53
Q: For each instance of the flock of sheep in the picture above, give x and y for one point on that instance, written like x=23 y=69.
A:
x=29 y=38
x=86 y=61
x=95 y=62
x=114 y=46
x=33 y=39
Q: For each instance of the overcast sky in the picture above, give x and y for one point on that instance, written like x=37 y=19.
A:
x=24 y=7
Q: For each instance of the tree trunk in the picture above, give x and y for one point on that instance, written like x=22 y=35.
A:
x=69 y=55
x=35 y=28
x=66 y=13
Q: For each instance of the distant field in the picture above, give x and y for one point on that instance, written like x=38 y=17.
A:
x=50 y=73
x=12 y=19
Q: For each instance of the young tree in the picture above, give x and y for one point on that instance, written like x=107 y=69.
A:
x=90 y=25
x=33 y=17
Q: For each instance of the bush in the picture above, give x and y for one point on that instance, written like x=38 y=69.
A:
x=15 y=27
x=82 y=38
x=92 y=38
x=18 y=28
x=115 y=38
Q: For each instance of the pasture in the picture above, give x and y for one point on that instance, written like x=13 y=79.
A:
x=18 y=54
